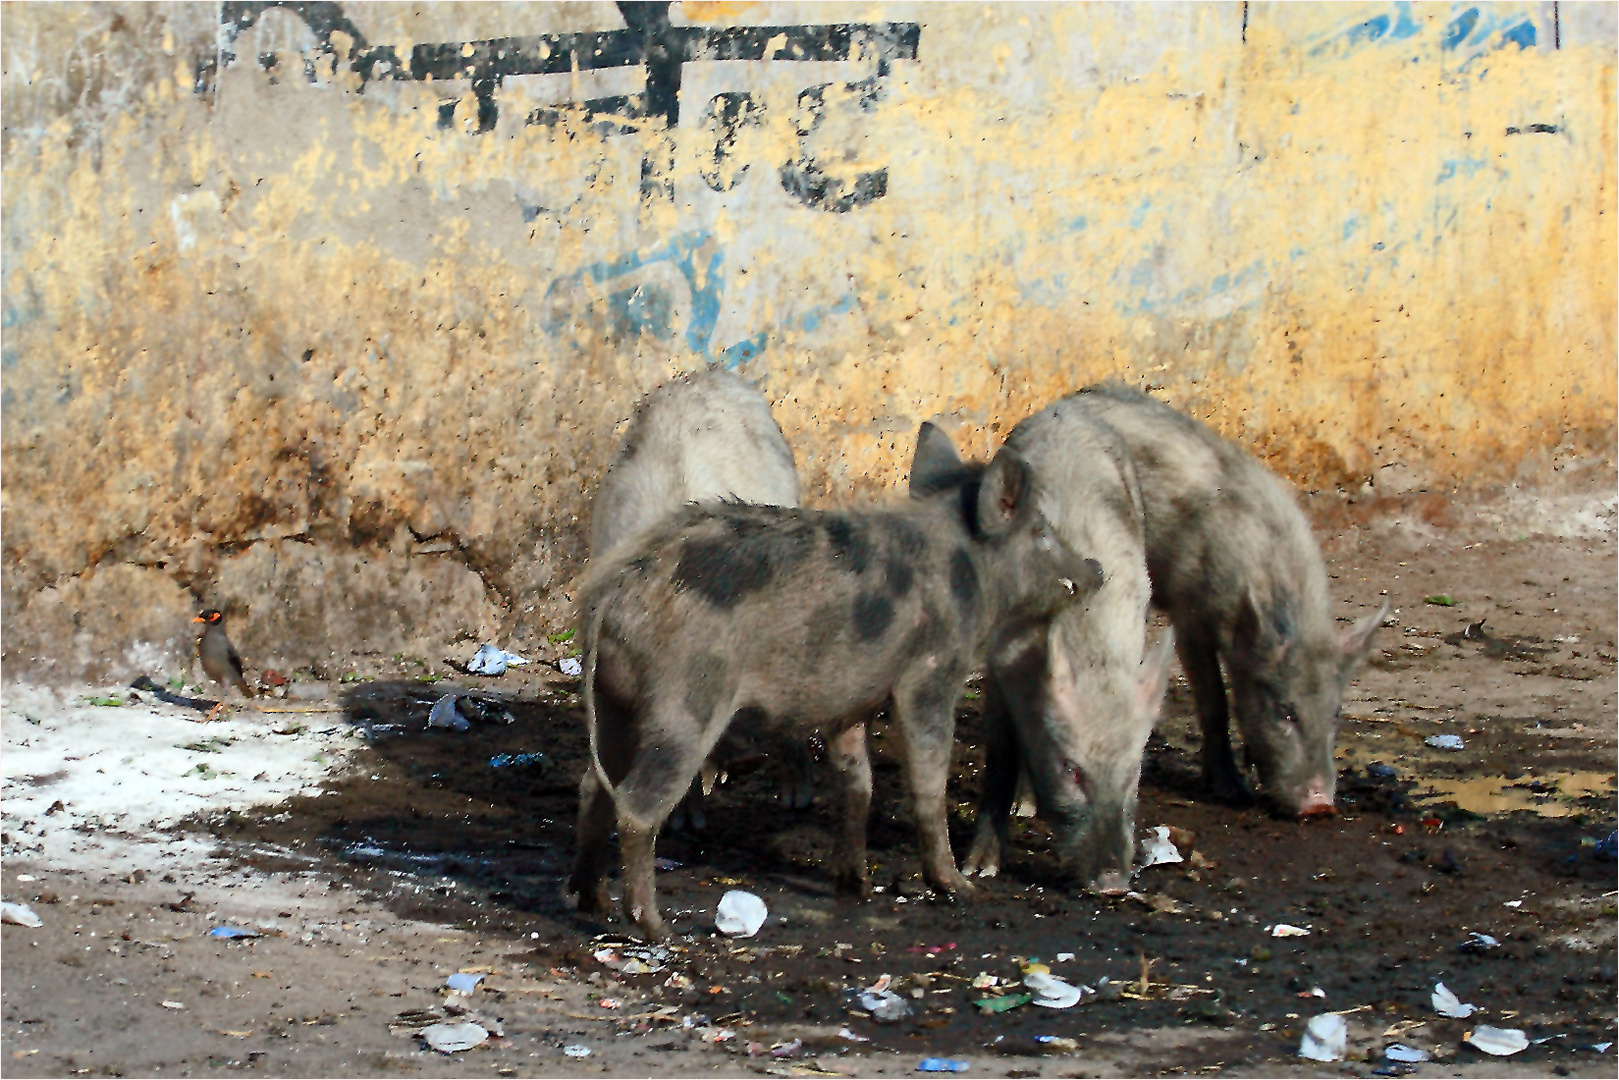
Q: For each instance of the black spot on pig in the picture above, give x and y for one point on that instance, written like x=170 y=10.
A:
x=851 y=549
x=906 y=548
x=724 y=570
x=705 y=683
x=872 y=614
x=963 y=579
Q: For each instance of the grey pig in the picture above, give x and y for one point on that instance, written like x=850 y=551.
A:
x=776 y=619
x=1234 y=563
x=1075 y=701
x=699 y=438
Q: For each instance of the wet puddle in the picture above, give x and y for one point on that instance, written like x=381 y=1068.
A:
x=1557 y=795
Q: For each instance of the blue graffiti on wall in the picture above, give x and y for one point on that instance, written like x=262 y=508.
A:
x=1471 y=29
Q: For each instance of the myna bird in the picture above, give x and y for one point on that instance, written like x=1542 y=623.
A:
x=220 y=660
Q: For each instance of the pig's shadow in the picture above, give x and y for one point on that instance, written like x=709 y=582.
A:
x=482 y=819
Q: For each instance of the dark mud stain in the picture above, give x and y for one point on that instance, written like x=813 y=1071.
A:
x=1390 y=890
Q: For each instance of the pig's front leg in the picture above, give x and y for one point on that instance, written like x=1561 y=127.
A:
x=926 y=716
x=1002 y=756
x=848 y=755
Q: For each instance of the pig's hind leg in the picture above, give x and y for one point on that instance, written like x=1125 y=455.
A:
x=670 y=751
x=587 y=884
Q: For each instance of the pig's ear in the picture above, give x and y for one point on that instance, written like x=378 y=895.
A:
x=1152 y=678
x=1357 y=640
x=936 y=464
x=1003 y=494
x=1262 y=632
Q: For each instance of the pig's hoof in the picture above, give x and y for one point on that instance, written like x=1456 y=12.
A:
x=984 y=860
x=1229 y=790
x=653 y=930
x=956 y=886
x=587 y=900
x=852 y=885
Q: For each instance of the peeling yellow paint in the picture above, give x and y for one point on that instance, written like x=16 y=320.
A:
x=263 y=299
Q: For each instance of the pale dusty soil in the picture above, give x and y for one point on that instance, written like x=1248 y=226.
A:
x=418 y=860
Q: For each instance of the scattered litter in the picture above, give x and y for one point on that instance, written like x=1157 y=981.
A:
x=576 y=1051
x=453 y=1038
x=25 y=877
x=639 y=960
x=787 y=1050
x=463 y=982
x=1284 y=930
x=1379 y=771
x=1004 y=1003
x=571 y=667
x=666 y=864
x=678 y=981
x=943 y=1065
x=1444 y=742
x=1325 y=1038
x=233 y=932
x=1448 y=1004
x=850 y=1036
x=1608 y=848
x=1064 y=957
x=18 y=914
x=1513 y=904
x=1439 y=600
x=1601 y=1047
x=611 y=1003
x=1498 y=1042
x=444 y=715
x=174 y=1004
x=740 y=914
x=984 y=981
x=883 y=1004
x=1402 y=1052
x=501 y=761
x=1109 y=989
x=493 y=661
x=1158 y=848
x=1477 y=943
x=1058 y=1043
x=1054 y=993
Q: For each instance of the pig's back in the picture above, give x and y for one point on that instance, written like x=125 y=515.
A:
x=697 y=439
x=1217 y=521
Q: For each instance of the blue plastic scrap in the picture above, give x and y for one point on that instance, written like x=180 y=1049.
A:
x=943 y=1065
x=1609 y=848
x=501 y=761
x=463 y=982
x=232 y=932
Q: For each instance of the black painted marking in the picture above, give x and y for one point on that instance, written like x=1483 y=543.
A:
x=648 y=40
x=963 y=578
x=1535 y=129
x=872 y=614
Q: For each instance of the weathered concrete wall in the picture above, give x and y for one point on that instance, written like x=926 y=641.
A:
x=299 y=296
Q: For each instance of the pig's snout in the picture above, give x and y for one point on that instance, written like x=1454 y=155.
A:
x=1316 y=801
x=1112 y=883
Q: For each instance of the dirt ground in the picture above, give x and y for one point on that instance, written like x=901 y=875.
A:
x=422 y=858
